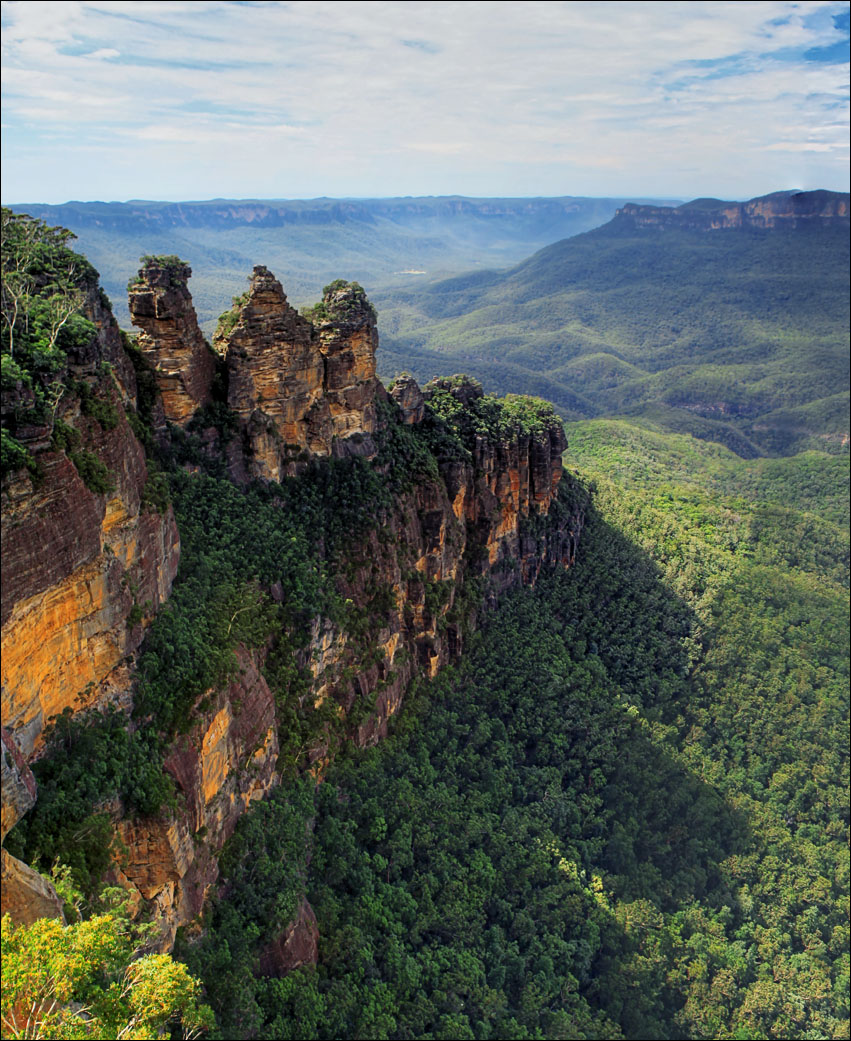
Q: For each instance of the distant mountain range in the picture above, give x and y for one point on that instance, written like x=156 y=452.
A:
x=725 y=320
x=308 y=243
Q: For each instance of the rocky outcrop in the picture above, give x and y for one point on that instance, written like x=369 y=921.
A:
x=297 y=945
x=408 y=396
x=170 y=339
x=299 y=388
x=276 y=379
x=24 y=894
x=225 y=762
x=780 y=209
x=348 y=340
x=19 y=788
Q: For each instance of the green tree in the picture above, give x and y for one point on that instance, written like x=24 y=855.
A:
x=83 y=981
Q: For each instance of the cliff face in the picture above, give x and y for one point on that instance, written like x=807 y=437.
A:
x=85 y=565
x=80 y=549
x=85 y=568
x=225 y=762
x=781 y=209
x=299 y=388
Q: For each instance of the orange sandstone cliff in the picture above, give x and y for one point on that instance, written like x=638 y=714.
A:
x=169 y=337
x=86 y=562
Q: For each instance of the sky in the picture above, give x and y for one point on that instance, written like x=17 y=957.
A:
x=210 y=99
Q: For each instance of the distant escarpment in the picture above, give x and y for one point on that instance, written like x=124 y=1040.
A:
x=336 y=542
x=780 y=209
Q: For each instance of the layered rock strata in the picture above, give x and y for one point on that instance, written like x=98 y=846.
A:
x=170 y=339
x=299 y=388
x=78 y=562
x=225 y=762
x=476 y=520
x=75 y=565
x=83 y=570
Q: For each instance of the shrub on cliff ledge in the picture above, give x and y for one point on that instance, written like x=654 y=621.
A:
x=341 y=301
x=461 y=403
x=176 y=270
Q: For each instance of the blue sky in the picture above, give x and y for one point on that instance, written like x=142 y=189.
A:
x=178 y=100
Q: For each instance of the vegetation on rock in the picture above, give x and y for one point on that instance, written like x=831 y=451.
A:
x=44 y=286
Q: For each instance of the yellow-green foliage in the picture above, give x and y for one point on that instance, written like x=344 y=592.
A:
x=80 y=981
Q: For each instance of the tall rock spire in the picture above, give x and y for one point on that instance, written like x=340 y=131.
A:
x=161 y=307
x=300 y=385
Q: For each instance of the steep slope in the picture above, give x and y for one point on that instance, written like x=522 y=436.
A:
x=333 y=546
x=87 y=559
x=623 y=813
x=725 y=320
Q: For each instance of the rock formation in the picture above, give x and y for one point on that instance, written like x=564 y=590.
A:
x=297 y=945
x=408 y=396
x=24 y=894
x=299 y=387
x=161 y=307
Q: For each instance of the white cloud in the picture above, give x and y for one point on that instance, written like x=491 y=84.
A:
x=407 y=97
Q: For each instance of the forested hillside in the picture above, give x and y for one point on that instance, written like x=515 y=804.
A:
x=623 y=814
x=734 y=334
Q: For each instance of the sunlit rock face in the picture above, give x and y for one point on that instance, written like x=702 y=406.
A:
x=77 y=563
x=225 y=762
x=83 y=571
